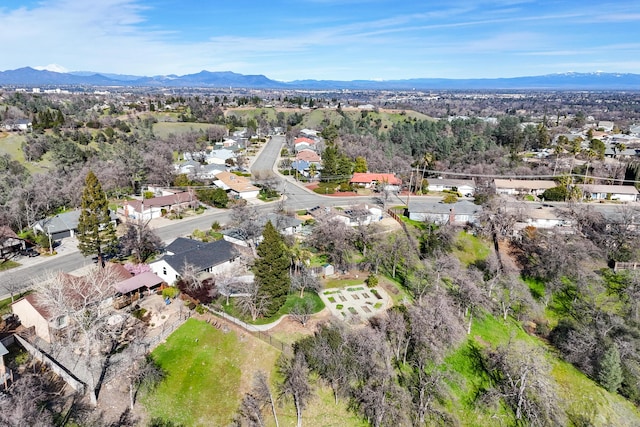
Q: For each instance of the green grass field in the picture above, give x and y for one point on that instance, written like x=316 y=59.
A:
x=579 y=394
x=469 y=248
x=292 y=300
x=206 y=380
x=164 y=129
x=11 y=144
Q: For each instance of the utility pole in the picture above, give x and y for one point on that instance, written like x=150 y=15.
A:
x=50 y=242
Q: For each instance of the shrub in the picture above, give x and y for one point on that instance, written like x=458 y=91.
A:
x=170 y=292
x=339 y=306
x=450 y=198
x=200 y=309
x=372 y=281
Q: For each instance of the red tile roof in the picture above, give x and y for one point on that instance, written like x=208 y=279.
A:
x=368 y=178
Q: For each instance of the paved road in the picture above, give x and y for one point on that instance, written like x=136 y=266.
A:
x=264 y=164
x=69 y=259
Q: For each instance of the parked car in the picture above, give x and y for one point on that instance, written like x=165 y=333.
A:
x=30 y=252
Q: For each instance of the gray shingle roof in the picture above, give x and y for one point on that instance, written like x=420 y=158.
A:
x=203 y=256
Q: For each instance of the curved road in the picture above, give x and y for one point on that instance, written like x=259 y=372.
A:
x=296 y=197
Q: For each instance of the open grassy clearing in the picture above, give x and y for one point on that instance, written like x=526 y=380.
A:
x=11 y=144
x=469 y=248
x=164 y=129
x=581 y=395
x=292 y=300
x=205 y=378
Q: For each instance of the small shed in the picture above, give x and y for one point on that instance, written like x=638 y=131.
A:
x=328 y=270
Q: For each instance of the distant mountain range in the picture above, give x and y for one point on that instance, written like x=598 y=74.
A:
x=566 y=81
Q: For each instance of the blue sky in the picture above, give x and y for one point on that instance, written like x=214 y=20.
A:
x=323 y=39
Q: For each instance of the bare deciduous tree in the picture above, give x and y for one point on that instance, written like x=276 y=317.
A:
x=521 y=376
x=303 y=280
x=301 y=312
x=256 y=401
x=246 y=222
x=24 y=404
x=82 y=302
x=252 y=302
x=139 y=240
x=295 y=384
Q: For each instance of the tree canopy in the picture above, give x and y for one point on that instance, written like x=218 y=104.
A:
x=271 y=269
x=96 y=232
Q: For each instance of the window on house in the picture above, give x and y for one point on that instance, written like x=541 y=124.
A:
x=61 y=322
x=164 y=271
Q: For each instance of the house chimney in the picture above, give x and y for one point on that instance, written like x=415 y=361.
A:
x=452 y=216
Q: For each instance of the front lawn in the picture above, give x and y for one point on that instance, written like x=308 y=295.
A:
x=8 y=265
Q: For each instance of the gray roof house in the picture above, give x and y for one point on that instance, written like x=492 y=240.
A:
x=62 y=225
x=461 y=212
x=285 y=225
x=213 y=258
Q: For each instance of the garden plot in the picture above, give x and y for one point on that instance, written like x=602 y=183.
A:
x=355 y=302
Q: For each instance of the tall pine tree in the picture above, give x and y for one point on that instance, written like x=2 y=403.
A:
x=271 y=269
x=96 y=232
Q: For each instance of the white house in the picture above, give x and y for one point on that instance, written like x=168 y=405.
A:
x=462 y=186
x=461 y=212
x=213 y=258
x=523 y=186
x=622 y=193
x=237 y=186
x=158 y=206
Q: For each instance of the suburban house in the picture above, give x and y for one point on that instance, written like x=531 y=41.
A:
x=514 y=187
x=213 y=258
x=623 y=193
x=158 y=206
x=308 y=156
x=10 y=242
x=63 y=225
x=303 y=143
x=221 y=156
x=195 y=169
x=461 y=212
x=377 y=181
x=33 y=315
x=301 y=166
x=18 y=125
x=540 y=216
x=352 y=216
x=285 y=225
x=462 y=186
x=311 y=133
x=238 y=187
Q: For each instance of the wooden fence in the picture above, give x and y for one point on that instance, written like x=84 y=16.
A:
x=619 y=266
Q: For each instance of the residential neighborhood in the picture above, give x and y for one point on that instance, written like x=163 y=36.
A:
x=257 y=235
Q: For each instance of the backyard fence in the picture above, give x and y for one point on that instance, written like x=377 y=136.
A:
x=167 y=330
x=61 y=371
x=254 y=330
x=626 y=266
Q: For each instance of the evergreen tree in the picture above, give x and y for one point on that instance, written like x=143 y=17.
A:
x=96 y=232
x=610 y=373
x=271 y=269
